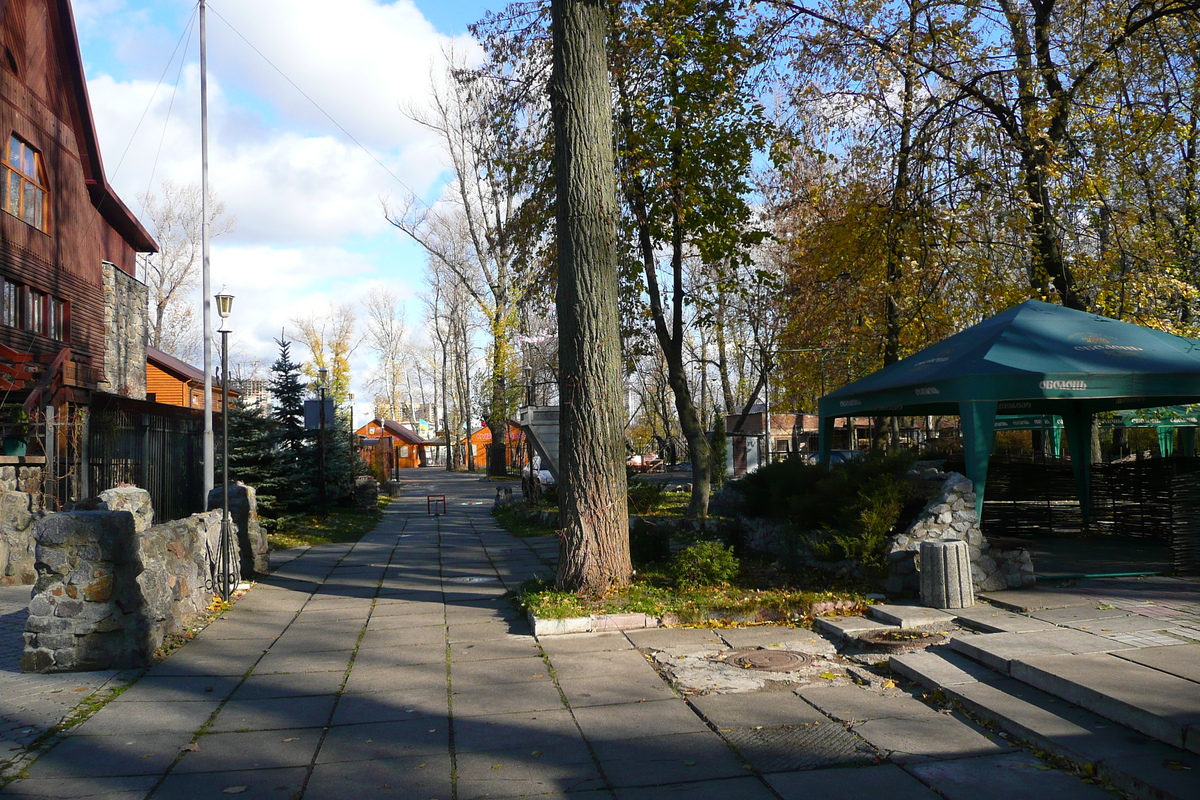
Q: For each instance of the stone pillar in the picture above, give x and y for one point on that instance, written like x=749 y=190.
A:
x=86 y=612
x=366 y=494
x=252 y=539
x=946 y=575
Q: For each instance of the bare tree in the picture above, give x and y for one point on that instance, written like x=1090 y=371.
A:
x=385 y=338
x=470 y=233
x=172 y=273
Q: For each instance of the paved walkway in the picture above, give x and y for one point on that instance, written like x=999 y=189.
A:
x=394 y=668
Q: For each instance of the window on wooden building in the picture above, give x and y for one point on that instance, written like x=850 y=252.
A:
x=12 y=301
x=24 y=189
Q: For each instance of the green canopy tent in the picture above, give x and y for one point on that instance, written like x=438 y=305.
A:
x=1048 y=425
x=1034 y=358
x=1165 y=421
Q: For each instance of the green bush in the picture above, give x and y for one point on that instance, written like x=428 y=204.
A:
x=644 y=497
x=703 y=564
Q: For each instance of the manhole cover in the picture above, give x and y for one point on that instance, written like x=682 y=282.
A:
x=800 y=747
x=767 y=660
x=472 y=579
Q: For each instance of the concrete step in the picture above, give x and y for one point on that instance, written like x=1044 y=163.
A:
x=1161 y=705
x=847 y=629
x=904 y=615
x=1134 y=763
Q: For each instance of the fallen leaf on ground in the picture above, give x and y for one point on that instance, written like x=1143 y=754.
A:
x=234 y=789
x=191 y=748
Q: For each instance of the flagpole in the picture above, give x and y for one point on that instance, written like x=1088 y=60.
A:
x=206 y=292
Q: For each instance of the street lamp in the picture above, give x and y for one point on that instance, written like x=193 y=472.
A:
x=322 y=373
x=225 y=557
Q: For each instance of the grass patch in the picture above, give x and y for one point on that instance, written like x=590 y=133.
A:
x=700 y=605
x=519 y=523
x=331 y=527
x=757 y=593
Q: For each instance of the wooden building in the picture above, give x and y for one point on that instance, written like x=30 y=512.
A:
x=514 y=446
x=177 y=383
x=67 y=242
x=407 y=449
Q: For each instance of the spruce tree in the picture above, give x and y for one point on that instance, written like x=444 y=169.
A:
x=294 y=475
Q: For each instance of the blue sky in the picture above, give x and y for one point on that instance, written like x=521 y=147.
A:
x=308 y=201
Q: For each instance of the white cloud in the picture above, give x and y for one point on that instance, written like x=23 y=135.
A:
x=310 y=227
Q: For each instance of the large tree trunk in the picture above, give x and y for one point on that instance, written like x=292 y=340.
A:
x=594 y=542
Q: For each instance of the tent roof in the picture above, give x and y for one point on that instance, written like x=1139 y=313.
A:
x=1029 y=359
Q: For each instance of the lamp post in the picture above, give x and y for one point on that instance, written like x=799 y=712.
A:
x=224 y=558
x=321 y=375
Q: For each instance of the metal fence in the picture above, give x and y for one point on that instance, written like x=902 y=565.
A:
x=161 y=454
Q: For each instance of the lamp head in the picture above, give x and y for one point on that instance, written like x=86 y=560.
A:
x=322 y=373
x=224 y=303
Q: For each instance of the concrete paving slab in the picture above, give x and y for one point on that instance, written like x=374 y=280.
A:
x=745 y=788
x=129 y=719
x=385 y=621
x=391 y=706
x=402 y=637
x=471 y=701
x=1000 y=650
x=1062 y=616
x=176 y=689
x=274 y=714
x=661 y=638
x=1035 y=599
x=301 y=639
x=290 y=661
x=935 y=669
x=417 y=777
x=123 y=788
x=1157 y=704
x=604 y=663
x=599 y=690
x=851 y=783
x=779 y=637
x=221 y=752
x=991 y=619
x=376 y=740
x=295 y=684
x=856 y=703
x=484 y=629
x=418 y=654
x=676 y=758
x=755 y=710
x=904 y=615
x=427 y=679
x=1011 y=776
x=500 y=672
x=914 y=739
x=529 y=730
x=104 y=756
x=1134 y=623
x=519 y=772
x=493 y=649
x=636 y=720
x=1181 y=660
x=585 y=643
x=218 y=785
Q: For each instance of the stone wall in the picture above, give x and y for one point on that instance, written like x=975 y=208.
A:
x=951 y=515
x=20 y=507
x=125 y=332
x=110 y=588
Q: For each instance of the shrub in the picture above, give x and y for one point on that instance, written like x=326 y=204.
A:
x=703 y=564
x=643 y=497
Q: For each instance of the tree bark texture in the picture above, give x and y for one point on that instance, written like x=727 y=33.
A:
x=594 y=540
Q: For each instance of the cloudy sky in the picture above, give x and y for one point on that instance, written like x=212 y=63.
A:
x=308 y=199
